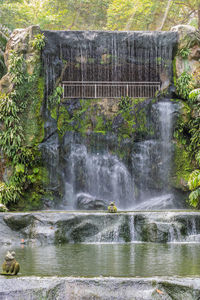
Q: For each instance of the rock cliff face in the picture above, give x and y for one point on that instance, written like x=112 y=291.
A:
x=187 y=81
x=20 y=42
x=48 y=122
x=188 y=55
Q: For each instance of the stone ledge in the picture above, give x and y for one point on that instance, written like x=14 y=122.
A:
x=44 y=228
x=105 y=288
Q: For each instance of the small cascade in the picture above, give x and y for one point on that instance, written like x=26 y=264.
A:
x=174 y=234
x=151 y=161
x=102 y=176
x=165 y=110
x=146 y=163
x=132 y=228
x=193 y=235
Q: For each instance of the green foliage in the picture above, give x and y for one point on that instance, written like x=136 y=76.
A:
x=193 y=95
x=133 y=113
x=4 y=35
x=194 y=186
x=194 y=180
x=188 y=133
x=125 y=104
x=184 y=85
x=184 y=52
x=98 y=14
x=39 y=41
x=182 y=165
x=194 y=198
x=55 y=98
x=87 y=116
x=23 y=161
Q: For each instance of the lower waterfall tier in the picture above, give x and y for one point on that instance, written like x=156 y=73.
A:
x=82 y=227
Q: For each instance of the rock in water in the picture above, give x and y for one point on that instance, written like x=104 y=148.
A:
x=87 y=202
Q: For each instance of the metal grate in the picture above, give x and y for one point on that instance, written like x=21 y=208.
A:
x=76 y=89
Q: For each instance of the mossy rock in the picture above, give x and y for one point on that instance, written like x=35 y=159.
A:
x=32 y=120
x=18 y=222
x=182 y=168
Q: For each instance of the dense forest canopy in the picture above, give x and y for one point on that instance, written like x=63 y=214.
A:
x=99 y=14
x=94 y=15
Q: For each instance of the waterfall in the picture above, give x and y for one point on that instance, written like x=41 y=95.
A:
x=100 y=56
x=166 y=110
x=102 y=176
x=151 y=161
x=139 y=180
x=132 y=228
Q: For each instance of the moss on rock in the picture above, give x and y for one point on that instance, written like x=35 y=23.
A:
x=182 y=167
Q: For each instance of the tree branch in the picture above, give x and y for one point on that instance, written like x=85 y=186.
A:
x=165 y=15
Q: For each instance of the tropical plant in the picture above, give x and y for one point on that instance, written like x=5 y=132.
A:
x=194 y=186
x=39 y=41
x=184 y=85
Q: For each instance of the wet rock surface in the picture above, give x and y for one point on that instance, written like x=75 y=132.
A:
x=69 y=227
x=68 y=288
x=189 y=39
x=87 y=202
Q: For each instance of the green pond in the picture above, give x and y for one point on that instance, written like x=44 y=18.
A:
x=120 y=260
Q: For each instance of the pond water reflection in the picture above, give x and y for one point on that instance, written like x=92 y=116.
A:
x=120 y=260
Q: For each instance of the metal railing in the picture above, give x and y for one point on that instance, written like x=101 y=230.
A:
x=89 y=89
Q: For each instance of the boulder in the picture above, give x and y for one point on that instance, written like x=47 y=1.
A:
x=88 y=202
x=184 y=32
x=189 y=40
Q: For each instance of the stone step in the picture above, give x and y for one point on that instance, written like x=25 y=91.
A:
x=54 y=227
x=69 y=288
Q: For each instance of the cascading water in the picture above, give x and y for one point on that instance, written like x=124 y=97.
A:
x=101 y=175
x=99 y=56
x=152 y=161
x=104 y=176
x=89 y=167
x=165 y=110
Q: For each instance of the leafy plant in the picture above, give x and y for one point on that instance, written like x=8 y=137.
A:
x=193 y=95
x=39 y=41
x=184 y=52
x=125 y=103
x=184 y=85
x=194 y=186
x=23 y=160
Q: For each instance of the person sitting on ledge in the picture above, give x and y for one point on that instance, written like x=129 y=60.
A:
x=112 y=208
x=10 y=265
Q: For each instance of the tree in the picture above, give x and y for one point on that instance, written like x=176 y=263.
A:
x=4 y=36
